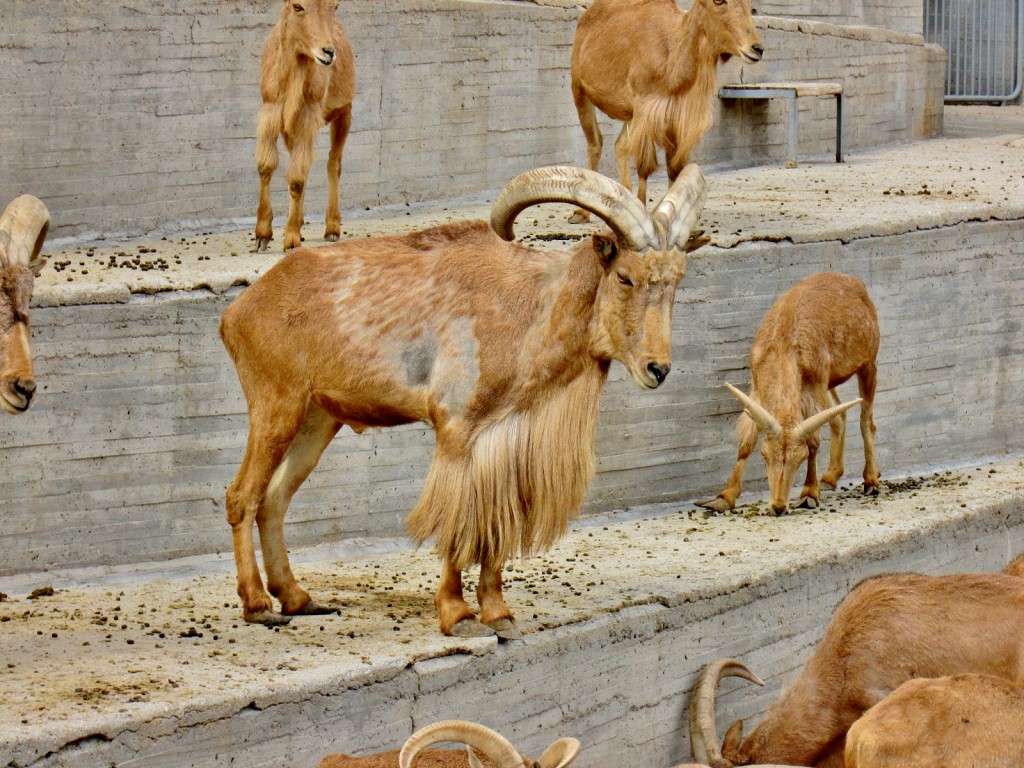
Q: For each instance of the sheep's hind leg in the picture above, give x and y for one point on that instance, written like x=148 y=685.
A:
x=270 y=434
x=493 y=611
x=317 y=430
x=592 y=132
x=457 y=618
x=866 y=380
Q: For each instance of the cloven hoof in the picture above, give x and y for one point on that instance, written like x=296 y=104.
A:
x=313 y=608
x=717 y=504
x=505 y=629
x=332 y=238
x=267 y=618
x=871 y=490
x=261 y=244
x=808 y=502
x=471 y=627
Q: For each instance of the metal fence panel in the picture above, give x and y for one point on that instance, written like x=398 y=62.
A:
x=984 y=43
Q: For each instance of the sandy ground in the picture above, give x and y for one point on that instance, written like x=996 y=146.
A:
x=139 y=645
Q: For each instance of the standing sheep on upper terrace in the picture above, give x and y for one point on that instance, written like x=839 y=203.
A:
x=654 y=67
x=503 y=350
x=23 y=228
x=307 y=80
x=815 y=336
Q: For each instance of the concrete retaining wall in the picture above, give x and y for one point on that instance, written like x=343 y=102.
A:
x=140 y=423
x=131 y=116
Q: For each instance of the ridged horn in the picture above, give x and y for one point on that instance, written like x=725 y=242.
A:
x=621 y=210
x=703 y=736
x=677 y=213
x=492 y=744
x=559 y=754
x=23 y=227
x=764 y=420
x=813 y=423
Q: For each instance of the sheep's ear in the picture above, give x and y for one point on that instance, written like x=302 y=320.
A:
x=474 y=761
x=733 y=738
x=559 y=754
x=606 y=248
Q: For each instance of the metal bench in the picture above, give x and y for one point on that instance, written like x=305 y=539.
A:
x=791 y=92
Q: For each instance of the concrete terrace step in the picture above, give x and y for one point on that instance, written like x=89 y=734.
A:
x=152 y=666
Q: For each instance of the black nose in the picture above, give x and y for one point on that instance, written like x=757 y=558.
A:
x=759 y=49
x=779 y=511
x=659 y=371
x=26 y=388
x=329 y=53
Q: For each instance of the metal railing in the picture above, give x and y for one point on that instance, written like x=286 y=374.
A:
x=984 y=43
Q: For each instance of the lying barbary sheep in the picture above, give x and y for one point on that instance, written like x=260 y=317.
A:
x=496 y=749
x=888 y=630
x=961 y=721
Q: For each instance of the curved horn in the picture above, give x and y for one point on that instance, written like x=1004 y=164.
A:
x=559 y=754
x=495 y=746
x=620 y=209
x=813 y=423
x=764 y=420
x=703 y=737
x=23 y=228
x=677 y=213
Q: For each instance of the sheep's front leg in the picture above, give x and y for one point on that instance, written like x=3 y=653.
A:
x=301 y=158
x=493 y=611
x=268 y=127
x=811 y=494
x=457 y=618
x=726 y=500
x=866 y=380
x=339 y=133
x=837 y=445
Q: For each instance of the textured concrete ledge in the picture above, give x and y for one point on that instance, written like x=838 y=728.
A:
x=153 y=667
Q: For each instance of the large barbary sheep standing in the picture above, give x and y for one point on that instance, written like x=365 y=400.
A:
x=503 y=350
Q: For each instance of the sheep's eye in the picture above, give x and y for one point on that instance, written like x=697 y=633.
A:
x=720 y=2
x=299 y=9
x=623 y=280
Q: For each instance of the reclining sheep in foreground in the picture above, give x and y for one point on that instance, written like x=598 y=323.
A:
x=654 y=67
x=23 y=228
x=503 y=350
x=817 y=335
x=888 y=630
x=493 y=746
x=961 y=721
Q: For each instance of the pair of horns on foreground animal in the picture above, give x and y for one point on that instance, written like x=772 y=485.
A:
x=492 y=745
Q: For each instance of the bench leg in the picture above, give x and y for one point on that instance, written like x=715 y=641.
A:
x=793 y=111
x=839 y=127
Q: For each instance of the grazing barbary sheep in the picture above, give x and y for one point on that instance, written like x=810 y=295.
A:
x=654 y=67
x=961 y=721
x=23 y=228
x=307 y=80
x=503 y=350
x=817 y=335
x=888 y=630
x=497 y=751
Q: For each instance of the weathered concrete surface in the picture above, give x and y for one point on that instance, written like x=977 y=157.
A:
x=125 y=117
x=153 y=667
x=140 y=424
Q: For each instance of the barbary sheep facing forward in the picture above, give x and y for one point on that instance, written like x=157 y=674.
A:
x=503 y=350
x=815 y=336
x=23 y=228
x=307 y=80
